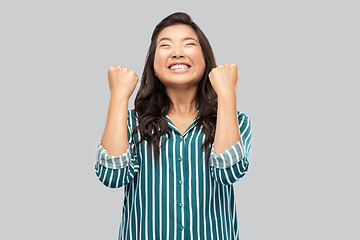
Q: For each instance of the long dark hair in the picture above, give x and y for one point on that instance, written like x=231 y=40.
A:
x=152 y=103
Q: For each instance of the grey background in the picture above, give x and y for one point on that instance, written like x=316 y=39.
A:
x=299 y=65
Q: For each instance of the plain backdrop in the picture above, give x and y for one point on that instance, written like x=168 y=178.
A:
x=299 y=67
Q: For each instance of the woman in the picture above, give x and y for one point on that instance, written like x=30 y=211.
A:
x=183 y=146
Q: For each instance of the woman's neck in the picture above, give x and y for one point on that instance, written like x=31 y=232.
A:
x=182 y=101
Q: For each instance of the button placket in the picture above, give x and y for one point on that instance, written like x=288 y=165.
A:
x=180 y=180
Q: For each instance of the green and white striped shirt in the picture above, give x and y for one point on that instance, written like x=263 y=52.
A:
x=182 y=196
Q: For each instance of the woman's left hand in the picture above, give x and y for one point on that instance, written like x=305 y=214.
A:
x=224 y=79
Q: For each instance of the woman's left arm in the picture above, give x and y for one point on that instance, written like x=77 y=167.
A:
x=233 y=131
x=232 y=164
x=224 y=79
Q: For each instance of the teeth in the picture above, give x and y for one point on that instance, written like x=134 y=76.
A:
x=179 y=66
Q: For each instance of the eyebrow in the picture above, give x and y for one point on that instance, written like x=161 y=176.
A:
x=187 y=38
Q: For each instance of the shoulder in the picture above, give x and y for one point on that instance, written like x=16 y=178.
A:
x=242 y=116
x=244 y=123
x=132 y=120
x=131 y=113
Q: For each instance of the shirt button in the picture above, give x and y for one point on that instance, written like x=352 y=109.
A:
x=182 y=228
x=181 y=182
x=180 y=205
x=181 y=139
x=179 y=159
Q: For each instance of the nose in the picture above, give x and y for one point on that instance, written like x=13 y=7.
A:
x=177 y=52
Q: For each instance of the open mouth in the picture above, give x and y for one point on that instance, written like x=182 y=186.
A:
x=179 y=67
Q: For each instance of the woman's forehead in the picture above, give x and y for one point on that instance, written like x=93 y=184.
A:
x=177 y=32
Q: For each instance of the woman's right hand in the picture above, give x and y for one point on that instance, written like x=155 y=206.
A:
x=122 y=81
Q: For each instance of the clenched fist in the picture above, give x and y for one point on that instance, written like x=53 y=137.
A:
x=224 y=78
x=122 y=81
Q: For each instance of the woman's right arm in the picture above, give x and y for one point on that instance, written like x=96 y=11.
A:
x=122 y=83
x=116 y=166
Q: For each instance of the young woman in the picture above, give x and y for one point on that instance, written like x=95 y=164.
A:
x=183 y=146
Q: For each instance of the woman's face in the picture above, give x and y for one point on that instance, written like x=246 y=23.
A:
x=179 y=60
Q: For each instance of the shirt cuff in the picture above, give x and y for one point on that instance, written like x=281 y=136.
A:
x=113 y=162
x=229 y=157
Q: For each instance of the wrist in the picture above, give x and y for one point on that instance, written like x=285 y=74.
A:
x=119 y=97
x=226 y=94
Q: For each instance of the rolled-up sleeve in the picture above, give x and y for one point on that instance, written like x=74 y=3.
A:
x=116 y=171
x=232 y=164
x=112 y=162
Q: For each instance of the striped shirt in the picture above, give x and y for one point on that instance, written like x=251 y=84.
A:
x=182 y=196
